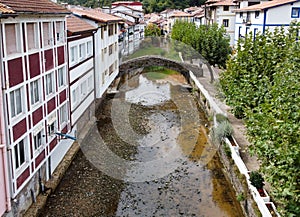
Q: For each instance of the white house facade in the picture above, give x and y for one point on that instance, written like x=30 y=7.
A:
x=260 y=17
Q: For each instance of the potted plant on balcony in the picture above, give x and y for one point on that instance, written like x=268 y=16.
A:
x=257 y=181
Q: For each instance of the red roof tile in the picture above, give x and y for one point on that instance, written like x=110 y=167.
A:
x=221 y=3
x=35 y=6
x=95 y=15
x=265 y=5
x=180 y=14
x=77 y=25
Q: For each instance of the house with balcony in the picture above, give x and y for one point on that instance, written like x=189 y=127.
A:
x=81 y=71
x=34 y=95
x=258 y=18
x=105 y=45
x=222 y=13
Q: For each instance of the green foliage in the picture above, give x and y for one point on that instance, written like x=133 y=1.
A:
x=152 y=30
x=256 y=180
x=262 y=84
x=148 y=5
x=240 y=197
x=209 y=41
x=223 y=130
x=221 y=118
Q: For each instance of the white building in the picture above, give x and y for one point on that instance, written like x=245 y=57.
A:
x=178 y=16
x=106 y=46
x=81 y=71
x=267 y=15
x=222 y=13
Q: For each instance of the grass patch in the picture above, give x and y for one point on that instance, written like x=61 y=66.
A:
x=158 y=72
x=146 y=51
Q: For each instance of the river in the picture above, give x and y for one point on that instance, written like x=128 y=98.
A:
x=149 y=155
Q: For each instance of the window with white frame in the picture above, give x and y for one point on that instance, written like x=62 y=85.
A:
x=51 y=128
x=110 y=49
x=73 y=55
x=82 y=51
x=32 y=36
x=83 y=89
x=116 y=46
x=16 y=106
x=12 y=38
x=20 y=154
x=225 y=22
x=295 y=12
x=50 y=83
x=225 y=8
x=59 y=31
x=62 y=76
x=47 y=34
x=75 y=96
x=90 y=83
x=257 y=14
x=63 y=113
x=37 y=140
x=89 y=48
x=35 y=91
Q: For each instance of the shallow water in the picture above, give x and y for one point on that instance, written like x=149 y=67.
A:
x=168 y=167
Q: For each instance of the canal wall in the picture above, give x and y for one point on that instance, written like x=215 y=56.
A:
x=227 y=155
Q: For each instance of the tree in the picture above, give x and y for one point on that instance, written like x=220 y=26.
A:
x=262 y=84
x=152 y=30
x=209 y=41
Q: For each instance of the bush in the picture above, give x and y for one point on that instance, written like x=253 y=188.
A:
x=256 y=179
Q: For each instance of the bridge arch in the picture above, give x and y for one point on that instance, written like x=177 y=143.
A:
x=131 y=66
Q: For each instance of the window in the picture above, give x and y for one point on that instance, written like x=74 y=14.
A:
x=256 y=14
x=110 y=29
x=116 y=28
x=37 y=139
x=35 y=91
x=116 y=46
x=241 y=14
x=50 y=83
x=82 y=51
x=61 y=77
x=51 y=128
x=240 y=30
x=13 y=39
x=59 y=31
x=225 y=22
x=32 y=36
x=110 y=49
x=226 y=8
x=111 y=69
x=89 y=48
x=19 y=153
x=83 y=88
x=75 y=94
x=63 y=114
x=16 y=102
x=90 y=83
x=47 y=35
x=73 y=55
x=295 y=12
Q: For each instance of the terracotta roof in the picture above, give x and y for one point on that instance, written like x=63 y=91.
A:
x=77 y=25
x=127 y=6
x=180 y=14
x=126 y=3
x=35 y=6
x=95 y=15
x=4 y=10
x=265 y=5
x=221 y=3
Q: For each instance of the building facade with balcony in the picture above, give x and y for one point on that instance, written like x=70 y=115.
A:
x=260 y=17
x=81 y=72
x=34 y=95
x=106 y=46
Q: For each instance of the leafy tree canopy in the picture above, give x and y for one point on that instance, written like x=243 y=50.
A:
x=262 y=84
x=149 y=5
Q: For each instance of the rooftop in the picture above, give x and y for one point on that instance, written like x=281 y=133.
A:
x=5 y=10
x=211 y=3
x=265 y=5
x=96 y=15
x=180 y=14
x=77 y=25
x=33 y=6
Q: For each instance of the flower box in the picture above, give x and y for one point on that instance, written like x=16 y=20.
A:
x=272 y=209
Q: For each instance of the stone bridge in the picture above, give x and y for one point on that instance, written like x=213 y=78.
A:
x=132 y=65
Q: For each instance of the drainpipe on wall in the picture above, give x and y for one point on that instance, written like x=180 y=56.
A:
x=3 y=150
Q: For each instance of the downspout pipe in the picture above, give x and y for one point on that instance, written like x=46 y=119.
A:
x=3 y=149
